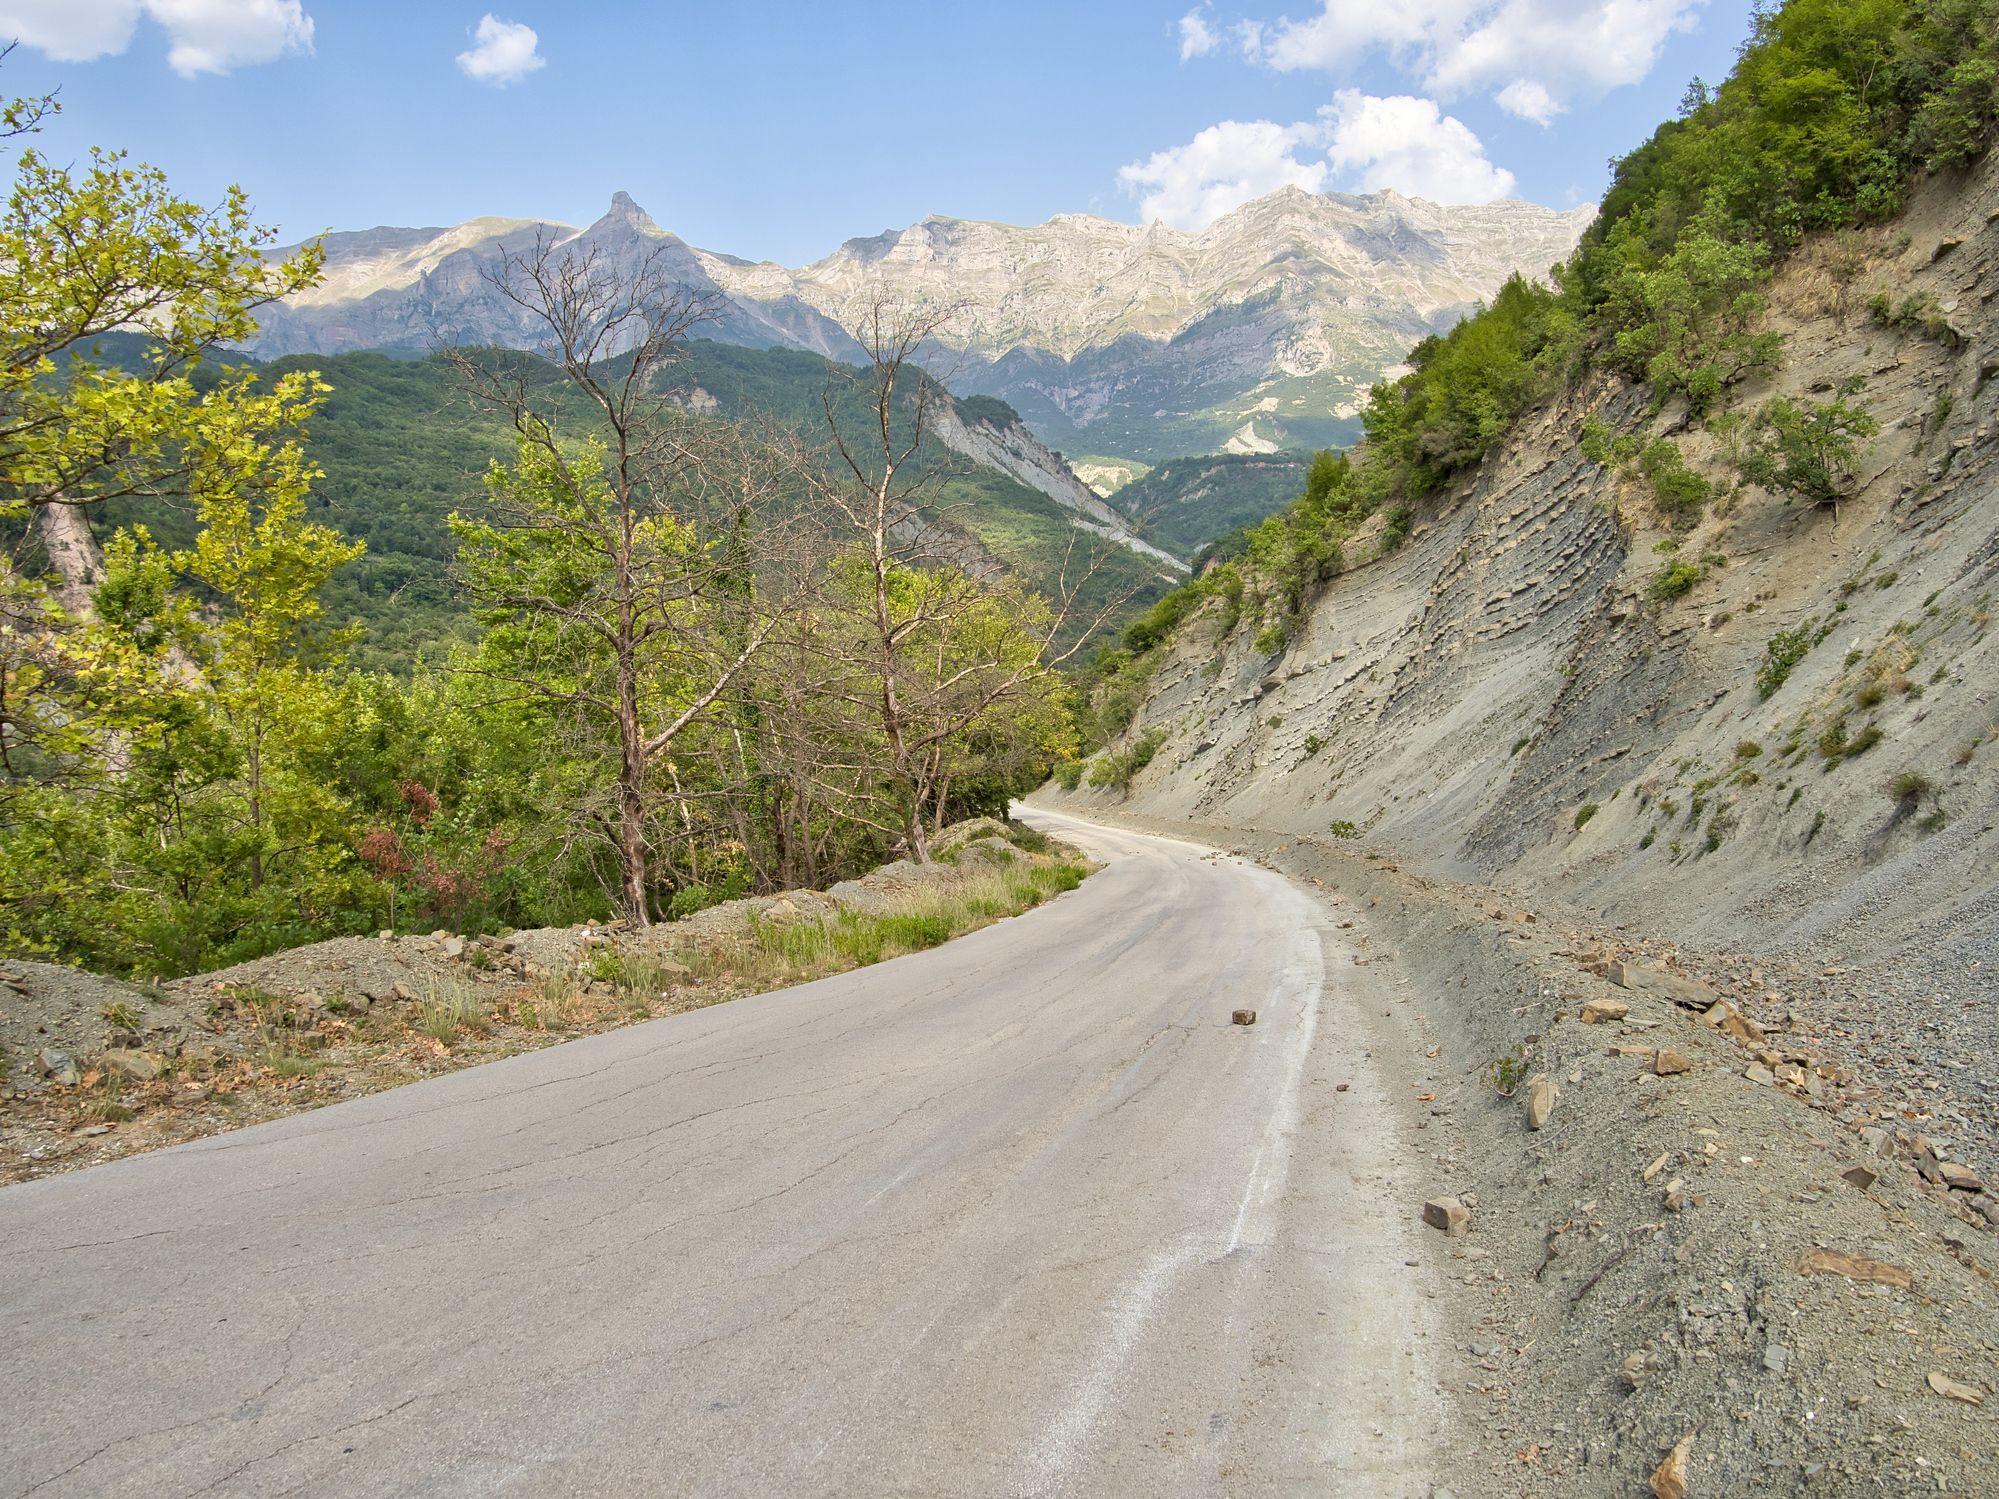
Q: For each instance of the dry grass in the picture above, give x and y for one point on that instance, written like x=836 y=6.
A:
x=773 y=953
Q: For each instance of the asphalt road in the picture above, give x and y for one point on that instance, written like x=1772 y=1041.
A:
x=1021 y=1215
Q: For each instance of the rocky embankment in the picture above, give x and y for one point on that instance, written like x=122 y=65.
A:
x=1667 y=1255
x=96 y=1068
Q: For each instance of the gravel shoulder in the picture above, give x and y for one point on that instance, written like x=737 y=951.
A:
x=1742 y=1250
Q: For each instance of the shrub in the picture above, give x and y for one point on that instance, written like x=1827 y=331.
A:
x=1808 y=449
x=1342 y=827
x=1584 y=813
x=1118 y=768
x=1910 y=787
x=1748 y=749
x=1069 y=774
x=1675 y=579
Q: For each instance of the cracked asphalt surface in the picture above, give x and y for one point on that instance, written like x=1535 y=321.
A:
x=1021 y=1215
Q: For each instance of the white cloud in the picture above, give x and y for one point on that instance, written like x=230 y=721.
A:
x=1222 y=168
x=1529 y=101
x=502 y=52
x=1411 y=146
x=203 y=36
x=70 y=30
x=213 y=36
x=1452 y=47
x=1370 y=143
x=1197 y=38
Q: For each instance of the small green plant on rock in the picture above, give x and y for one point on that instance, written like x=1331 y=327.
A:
x=1584 y=813
x=1505 y=1073
x=1342 y=827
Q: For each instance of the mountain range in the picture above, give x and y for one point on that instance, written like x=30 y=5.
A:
x=1261 y=332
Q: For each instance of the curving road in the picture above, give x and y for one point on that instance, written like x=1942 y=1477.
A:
x=1022 y=1215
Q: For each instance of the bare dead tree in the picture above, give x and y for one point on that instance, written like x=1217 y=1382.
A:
x=640 y=561
x=942 y=651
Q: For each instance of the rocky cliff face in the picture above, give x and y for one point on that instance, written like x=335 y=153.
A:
x=1141 y=341
x=1145 y=341
x=1505 y=698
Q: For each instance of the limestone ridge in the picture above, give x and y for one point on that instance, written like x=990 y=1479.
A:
x=1262 y=330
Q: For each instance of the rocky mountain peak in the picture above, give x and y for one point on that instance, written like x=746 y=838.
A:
x=625 y=213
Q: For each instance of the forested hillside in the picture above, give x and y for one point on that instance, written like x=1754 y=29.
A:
x=403 y=444
x=475 y=640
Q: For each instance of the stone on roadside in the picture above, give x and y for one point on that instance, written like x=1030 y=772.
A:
x=1669 y=1479
x=1757 y=1073
x=1854 y=1267
x=1540 y=1102
x=1666 y=1062
x=140 y=1066
x=1732 y=1023
x=1860 y=1176
x=1447 y=1214
x=1959 y=1177
x=1675 y=1198
x=1776 y=1358
x=1603 y=1011
x=1635 y=1369
x=1952 y=1389
x=1242 y=1017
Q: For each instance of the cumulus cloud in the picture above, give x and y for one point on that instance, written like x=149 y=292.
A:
x=1197 y=38
x=1223 y=167
x=1410 y=145
x=203 y=36
x=502 y=52
x=1529 y=101
x=1452 y=47
x=1365 y=142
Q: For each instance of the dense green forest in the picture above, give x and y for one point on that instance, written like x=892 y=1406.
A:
x=478 y=639
x=402 y=443
x=1833 y=110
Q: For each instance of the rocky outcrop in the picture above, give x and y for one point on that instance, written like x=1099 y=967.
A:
x=1016 y=452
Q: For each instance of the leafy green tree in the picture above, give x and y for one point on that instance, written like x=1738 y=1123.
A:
x=1809 y=448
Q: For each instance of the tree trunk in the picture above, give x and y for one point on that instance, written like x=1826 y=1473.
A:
x=73 y=555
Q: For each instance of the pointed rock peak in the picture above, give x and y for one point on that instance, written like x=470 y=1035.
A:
x=628 y=213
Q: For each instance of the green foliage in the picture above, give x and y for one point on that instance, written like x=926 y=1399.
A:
x=1341 y=827
x=1584 y=813
x=1675 y=579
x=1808 y=448
x=1783 y=652
x=1201 y=508
x=1117 y=768
x=1069 y=774
x=1911 y=786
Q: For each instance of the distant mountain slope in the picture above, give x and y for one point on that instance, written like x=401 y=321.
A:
x=402 y=446
x=1258 y=333
x=1184 y=504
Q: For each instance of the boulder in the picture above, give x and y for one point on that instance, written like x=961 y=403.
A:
x=1603 y=1011
x=1666 y=1062
x=1448 y=1214
x=140 y=1066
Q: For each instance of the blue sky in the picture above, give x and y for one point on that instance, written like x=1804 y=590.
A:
x=778 y=130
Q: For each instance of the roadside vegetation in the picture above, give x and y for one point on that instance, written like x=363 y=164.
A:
x=693 y=654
